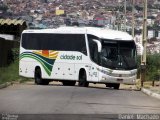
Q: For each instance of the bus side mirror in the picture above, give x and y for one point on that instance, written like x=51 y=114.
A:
x=99 y=45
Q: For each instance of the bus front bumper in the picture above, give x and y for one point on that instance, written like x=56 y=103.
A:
x=125 y=80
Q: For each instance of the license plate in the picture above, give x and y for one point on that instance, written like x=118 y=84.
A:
x=120 y=80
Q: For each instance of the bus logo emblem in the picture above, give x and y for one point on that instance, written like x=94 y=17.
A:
x=45 y=57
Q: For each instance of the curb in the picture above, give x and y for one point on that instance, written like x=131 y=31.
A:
x=148 y=92
x=4 y=85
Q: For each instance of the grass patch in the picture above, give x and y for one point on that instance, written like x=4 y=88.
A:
x=23 y=79
x=11 y=73
x=146 y=84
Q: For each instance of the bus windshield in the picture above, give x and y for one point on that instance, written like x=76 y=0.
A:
x=118 y=54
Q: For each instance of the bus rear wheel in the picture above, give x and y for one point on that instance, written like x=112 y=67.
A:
x=45 y=82
x=38 y=78
x=83 y=80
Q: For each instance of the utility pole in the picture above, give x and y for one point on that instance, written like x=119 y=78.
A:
x=133 y=22
x=119 y=17
x=144 y=42
x=125 y=15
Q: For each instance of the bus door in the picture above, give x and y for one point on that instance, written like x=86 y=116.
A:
x=94 y=55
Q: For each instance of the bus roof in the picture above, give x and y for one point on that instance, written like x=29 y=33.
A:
x=102 y=33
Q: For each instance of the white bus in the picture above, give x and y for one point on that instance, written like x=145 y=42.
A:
x=78 y=54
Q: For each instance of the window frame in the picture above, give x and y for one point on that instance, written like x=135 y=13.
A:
x=64 y=42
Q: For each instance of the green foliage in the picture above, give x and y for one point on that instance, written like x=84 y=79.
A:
x=10 y=73
x=15 y=53
x=139 y=8
x=153 y=67
x=129 y=8
x=3 y=7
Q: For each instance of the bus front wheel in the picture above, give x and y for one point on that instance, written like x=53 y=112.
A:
x=83 y=80
x=114 y=85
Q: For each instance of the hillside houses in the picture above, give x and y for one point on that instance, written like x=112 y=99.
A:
x=100 y=13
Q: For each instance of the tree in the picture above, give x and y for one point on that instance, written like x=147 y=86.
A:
x=138 y=8
x=3 y=7
x=153 y=66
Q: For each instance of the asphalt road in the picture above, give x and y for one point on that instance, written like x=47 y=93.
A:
x=58 y=99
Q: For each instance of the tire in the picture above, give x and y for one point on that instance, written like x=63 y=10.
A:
x=45 y=82
x=116 y=86
x=38 y=78
x=109 y=84
x=82 y=80
x=69 y=83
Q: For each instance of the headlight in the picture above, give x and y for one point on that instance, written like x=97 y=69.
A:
x=133 y=73
x=104 y=71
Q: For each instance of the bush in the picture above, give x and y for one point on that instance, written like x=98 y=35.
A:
x=10 y=73
x=3 y=7
x=15 y=53
x=152 y=67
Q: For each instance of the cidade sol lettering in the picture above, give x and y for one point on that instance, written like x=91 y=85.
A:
x=79 y=57
x=67 y=57
x=70 y=57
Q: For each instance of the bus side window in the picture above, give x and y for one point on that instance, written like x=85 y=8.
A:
x=93 y=48
x=94 y=52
